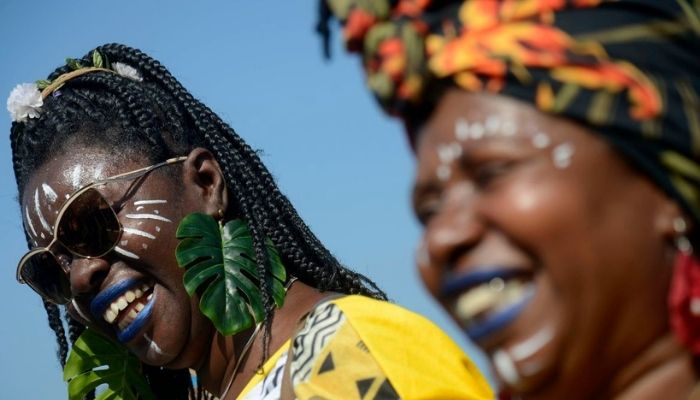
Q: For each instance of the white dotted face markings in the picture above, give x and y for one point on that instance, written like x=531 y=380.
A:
x=562 y=154
x=495 y=126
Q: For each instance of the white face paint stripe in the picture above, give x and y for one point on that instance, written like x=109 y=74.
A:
x=139 y=208
x=154 y=346
x=138 y=233
x=80 y=312
x=148 y=216
x=37 y=209
x=29 y=221
x=75 y=175
x=142 y=202
x=126 y=253
x=530 y=346
x=50 y=194
x=505 y=367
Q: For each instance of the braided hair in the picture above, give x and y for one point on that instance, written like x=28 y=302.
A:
x=158 y=118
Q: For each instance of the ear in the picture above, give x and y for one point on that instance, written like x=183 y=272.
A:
x=667 y=217
x=203 y=178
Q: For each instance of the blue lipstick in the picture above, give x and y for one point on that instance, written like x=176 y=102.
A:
x=479 y=330
x=489 y=299
x=130 y=332
x=102 y=301
x=453 y=285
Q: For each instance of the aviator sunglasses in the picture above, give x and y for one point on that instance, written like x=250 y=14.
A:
x=87 y=226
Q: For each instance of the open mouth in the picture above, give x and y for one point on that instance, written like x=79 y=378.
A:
x=125 y=306
x=487 y=301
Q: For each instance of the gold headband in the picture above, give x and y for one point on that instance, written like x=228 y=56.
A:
x=62 y=79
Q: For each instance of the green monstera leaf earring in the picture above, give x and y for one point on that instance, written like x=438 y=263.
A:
x=220 y=267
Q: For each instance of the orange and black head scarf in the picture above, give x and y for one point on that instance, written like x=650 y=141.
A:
x=630 y=69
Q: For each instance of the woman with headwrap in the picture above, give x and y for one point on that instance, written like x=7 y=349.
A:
x=558 y=181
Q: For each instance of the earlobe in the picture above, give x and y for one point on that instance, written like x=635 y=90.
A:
x=668 y=218
x=203 y=174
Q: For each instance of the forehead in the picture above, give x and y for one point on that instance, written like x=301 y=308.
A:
x=513 y=121
x=63 y=174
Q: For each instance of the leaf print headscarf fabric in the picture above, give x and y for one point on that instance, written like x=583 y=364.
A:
x=629 y=69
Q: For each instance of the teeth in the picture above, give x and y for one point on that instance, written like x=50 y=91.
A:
x=490 y=297
x=110 y=316
x=150 y=296
x=123 y=302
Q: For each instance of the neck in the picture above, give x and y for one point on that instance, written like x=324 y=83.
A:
x=216 y=372
x=663 y=370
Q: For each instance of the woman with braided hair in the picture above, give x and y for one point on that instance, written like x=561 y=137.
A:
x=558 y=181
x=157 y=227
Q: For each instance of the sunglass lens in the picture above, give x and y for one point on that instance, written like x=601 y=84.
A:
x=89 y=226
x=42 y=272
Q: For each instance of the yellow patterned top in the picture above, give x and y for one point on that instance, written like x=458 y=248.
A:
x=355 y=347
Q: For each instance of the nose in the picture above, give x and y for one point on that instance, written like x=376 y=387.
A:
x=450 y=235
x=87 y=274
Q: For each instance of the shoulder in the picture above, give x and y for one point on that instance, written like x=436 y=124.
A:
x=358 y=344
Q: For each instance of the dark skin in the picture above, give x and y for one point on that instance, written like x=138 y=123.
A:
x=183 y=336
x=594 y=238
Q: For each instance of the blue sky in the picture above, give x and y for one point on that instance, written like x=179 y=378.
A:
x=345 y=166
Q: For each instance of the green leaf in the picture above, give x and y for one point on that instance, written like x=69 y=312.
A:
x=97 y=59
x=42 y=84
x=73 y=63
x=95 y=361
x=220 y=268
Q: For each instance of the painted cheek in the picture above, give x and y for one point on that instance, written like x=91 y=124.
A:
x=142 y=227
x=42 y=209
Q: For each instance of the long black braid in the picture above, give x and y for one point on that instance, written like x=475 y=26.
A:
x=157 y=117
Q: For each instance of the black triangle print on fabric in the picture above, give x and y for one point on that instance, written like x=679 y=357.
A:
x=363 y=386
x=327 y=365
x=386 y=392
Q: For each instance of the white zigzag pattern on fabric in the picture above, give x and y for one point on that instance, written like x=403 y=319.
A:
x=320 y=326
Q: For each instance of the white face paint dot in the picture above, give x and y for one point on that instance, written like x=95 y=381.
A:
x=422 y=257
x=477 y=130
x=157 y=228
x=156 y=212
x=139 y=208
x=561 y=155
x=455 y=150
x=42 y=235
x=144 y=246
x=67 y=196
x=540 y=140
x=444 y=153
x=123 y=242
x=444 y=172
x=509 y=128
x=462 y=129
x=493 y=124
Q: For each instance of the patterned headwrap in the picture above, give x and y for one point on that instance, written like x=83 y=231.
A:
x=630 y=69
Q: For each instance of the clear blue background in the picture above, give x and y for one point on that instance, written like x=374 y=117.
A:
x=345 y=166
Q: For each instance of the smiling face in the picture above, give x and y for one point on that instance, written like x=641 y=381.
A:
x=134 y=294
x=541 y=242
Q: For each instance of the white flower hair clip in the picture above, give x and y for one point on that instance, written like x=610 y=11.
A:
x=26 y=99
